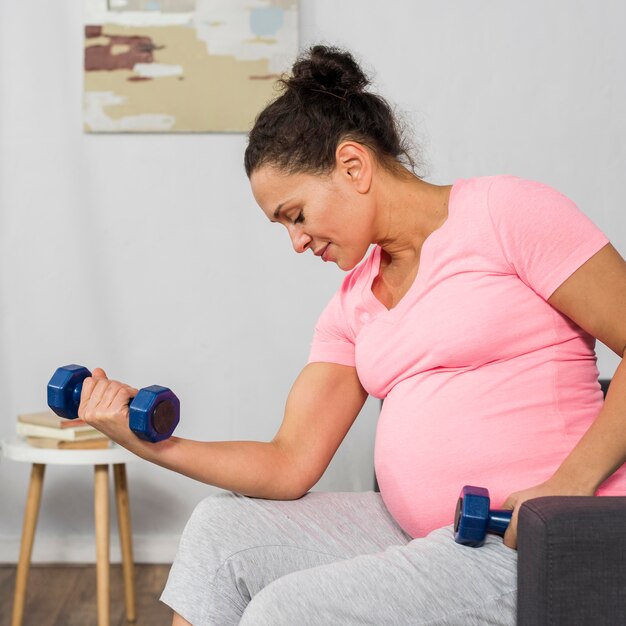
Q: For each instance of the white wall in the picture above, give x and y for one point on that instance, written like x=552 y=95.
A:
x=148 y=256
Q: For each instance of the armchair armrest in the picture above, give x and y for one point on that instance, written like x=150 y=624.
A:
x=572 y=561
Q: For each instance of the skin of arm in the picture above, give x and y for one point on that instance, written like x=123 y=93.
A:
x=323 y=403
x=594 y=297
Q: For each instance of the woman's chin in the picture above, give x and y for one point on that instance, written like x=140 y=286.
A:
x=347 y=264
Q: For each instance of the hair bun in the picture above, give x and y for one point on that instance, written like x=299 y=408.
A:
x=329 y=69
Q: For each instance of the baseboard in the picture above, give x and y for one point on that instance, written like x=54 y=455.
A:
x=82 y=549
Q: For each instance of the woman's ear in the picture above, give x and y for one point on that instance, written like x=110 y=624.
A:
x=354 y=165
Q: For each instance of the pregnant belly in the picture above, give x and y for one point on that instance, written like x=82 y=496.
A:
x=434 y=436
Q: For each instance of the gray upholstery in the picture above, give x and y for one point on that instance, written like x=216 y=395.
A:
x=572 y=561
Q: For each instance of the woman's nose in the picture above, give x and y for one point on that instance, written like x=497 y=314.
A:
x=299 y=239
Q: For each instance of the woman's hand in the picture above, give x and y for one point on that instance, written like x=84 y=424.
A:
x=550 y=487
x=104 y=405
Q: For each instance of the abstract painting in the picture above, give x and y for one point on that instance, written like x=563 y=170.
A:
x=184 y=65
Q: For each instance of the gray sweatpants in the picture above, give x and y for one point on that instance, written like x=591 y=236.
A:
x=332 y=559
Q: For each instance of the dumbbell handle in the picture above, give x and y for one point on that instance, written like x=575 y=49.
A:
x=78 y=390
x=499 y=520
x=76 y=394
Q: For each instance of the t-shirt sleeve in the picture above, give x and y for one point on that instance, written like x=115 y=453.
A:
x=544 y=236
x=331 y=339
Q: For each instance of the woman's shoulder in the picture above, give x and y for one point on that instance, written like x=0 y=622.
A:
x=502 y=183
x=506 y=194
x=485 y=182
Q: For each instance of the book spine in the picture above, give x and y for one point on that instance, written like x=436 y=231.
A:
x=65 y=434
x=51 y=421
x=58 y=444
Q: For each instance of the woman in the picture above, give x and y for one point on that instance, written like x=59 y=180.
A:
x=474 y=317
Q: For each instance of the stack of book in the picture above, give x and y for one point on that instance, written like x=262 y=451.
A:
x=48 y=430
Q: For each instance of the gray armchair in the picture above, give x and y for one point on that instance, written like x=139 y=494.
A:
x=571 y=565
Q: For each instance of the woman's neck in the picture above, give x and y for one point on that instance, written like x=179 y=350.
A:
x=408 y=211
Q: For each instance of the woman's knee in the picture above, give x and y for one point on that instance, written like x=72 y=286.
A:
x=218 y=518
x=206 y=567
x=216 y=507
x=218 y=528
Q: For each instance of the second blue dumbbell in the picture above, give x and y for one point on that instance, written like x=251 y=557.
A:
x=154 y=412
x=474 y=519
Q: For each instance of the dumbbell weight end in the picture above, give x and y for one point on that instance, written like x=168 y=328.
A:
x=154 y=413
x=64 y=390
x=473 y=518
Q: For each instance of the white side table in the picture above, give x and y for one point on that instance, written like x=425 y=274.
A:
x=18 y=450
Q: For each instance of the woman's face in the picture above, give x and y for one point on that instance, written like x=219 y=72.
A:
x=322 y=213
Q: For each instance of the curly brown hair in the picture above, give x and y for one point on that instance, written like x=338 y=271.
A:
x=322 y=103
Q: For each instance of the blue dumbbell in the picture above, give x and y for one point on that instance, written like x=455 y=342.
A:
x=473 y=519
x=154 y=412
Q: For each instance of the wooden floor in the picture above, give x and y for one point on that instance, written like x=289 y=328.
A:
x=66 y=596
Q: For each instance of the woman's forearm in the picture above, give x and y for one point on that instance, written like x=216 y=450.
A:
x=602 y=449
x=251 y=468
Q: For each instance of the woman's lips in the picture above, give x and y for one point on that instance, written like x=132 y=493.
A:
x=323 y=252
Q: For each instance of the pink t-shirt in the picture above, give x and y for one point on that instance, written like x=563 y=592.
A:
x=484 y=383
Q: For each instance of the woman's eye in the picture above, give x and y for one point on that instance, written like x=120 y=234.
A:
x=299 y=219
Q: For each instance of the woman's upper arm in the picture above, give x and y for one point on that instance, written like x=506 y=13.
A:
x=594 y=297
x=321 y=407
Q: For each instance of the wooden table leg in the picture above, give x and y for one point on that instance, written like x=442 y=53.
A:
x=101 y=509
x=28 y=535
x=126 y=538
